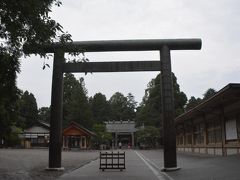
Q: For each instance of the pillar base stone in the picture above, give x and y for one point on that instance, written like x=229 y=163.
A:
x=54 y=169
x=170 y=169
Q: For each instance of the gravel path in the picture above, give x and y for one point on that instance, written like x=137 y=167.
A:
x=30 y=164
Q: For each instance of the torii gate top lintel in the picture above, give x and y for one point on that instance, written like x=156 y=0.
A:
x=119 y=45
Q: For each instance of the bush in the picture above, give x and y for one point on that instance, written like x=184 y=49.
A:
x=101 y=136
x=149 y=137
x=12 y=139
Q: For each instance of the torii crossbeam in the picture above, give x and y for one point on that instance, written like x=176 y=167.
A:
x=164 y=65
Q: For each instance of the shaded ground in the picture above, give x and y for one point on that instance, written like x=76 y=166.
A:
x=199 y=167
x=136 y=169
x=147 y=164
x=17 y=164
x=28 y=164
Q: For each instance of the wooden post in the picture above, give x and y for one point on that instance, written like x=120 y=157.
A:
x=184 y=136
x=223 y=131
x=205 y=133
x=132 y=135
x=116 y=140
x=55 y=144
x=192 y=132
x=169 y=134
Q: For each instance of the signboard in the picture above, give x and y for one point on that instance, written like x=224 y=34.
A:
x=231 y=129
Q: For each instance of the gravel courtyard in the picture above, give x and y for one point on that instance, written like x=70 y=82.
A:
x=27 y=164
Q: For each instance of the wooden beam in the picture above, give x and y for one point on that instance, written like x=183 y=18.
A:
x=114 y=66
x=116 y=45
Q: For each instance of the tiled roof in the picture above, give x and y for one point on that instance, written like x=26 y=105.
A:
x=225 y=96
x=120 y=126
x=79 y=127
x=47 y=125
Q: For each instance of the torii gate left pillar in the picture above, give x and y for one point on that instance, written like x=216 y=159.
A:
x=55 y=143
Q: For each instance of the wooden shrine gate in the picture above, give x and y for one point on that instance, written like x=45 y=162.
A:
x=164 y=65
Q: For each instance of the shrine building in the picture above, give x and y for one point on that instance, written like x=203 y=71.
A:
x=77 y=137
x=122 y=131
x=213 y=126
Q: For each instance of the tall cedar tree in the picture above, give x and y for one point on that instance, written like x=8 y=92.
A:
x=75 y=102
x=100 y=108
x=44 y=114
x=209 y=93
x=192 y=102
x=149 y=112
x=122 y=108
x=28 y=111
x=132 y=105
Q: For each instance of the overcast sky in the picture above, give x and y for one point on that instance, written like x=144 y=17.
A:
x=216 y=22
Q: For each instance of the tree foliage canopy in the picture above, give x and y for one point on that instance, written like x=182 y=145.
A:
x=100 y=108
x=149 y=112
x=44 y=114
x=148 y=137
x=26 y=21
x=21 y=22
x=192 y=102
x=209 y=93
x=101 y=135
x=23 y=114
x=28 y=110
x=75 y=102
x=122 y=108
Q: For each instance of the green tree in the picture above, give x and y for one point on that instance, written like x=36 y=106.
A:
x=118 y=104
x=101 y=135
x=148 y=137
x=22 y=22
x=192 y=102
x=9 y=111
x=12 y=139
x=122 y=108
x=28 y=110
x=75 y=102
x=149 y=112
x=209 y=93
x=44 y=114
x=100 y=108
x=150 y=109
x=180 y=98
x=132 y=105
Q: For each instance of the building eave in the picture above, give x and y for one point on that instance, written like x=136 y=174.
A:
x=229 y=93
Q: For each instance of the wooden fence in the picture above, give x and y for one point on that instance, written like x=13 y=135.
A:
x=112 y=160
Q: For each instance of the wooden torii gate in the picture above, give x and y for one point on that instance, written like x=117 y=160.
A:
x=164 y=65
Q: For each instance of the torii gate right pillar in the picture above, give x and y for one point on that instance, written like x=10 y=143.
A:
x=169 y=134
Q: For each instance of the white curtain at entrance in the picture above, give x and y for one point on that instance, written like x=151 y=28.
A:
x=231 y=129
